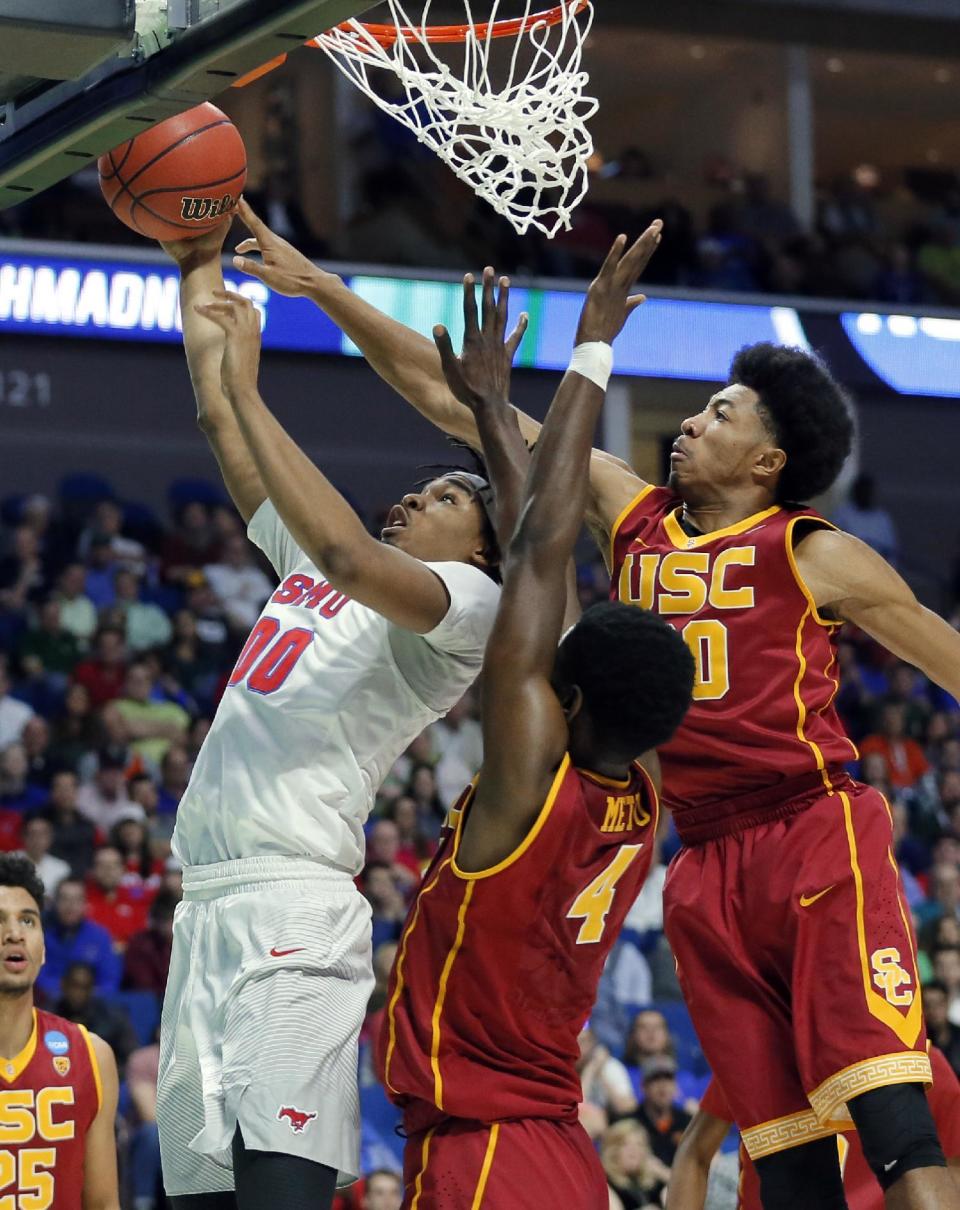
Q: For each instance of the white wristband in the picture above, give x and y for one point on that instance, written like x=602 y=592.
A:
x=593 y=360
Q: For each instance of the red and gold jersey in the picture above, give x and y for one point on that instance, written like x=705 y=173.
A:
x=49 y=1095
x=762 y=719
x=497 y=971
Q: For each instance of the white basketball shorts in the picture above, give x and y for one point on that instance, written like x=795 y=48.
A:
x=269 y=982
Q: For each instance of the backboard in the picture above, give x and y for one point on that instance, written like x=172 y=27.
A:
x=72 y=88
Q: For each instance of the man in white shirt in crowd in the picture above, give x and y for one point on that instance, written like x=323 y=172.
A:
x=104 y=799
x=238 y=582
x=363 y=645
x=458 y=743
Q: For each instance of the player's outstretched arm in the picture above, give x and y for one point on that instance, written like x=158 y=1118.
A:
x=690 y=1171
x=849 y=580
x=320 y=520
x=200 y=274
x=525 y=729
x=100 y=1191
x=480 y=379
x=409 y=363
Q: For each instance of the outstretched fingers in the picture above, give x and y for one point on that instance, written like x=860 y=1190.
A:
x=250 y=220
x=470 y=326
x=513 y=340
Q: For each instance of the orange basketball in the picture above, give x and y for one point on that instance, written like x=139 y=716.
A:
x=179 y=178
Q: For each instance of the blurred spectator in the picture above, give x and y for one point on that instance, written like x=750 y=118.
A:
x=904 y=757
x=120 y=909
x=866 y=520
x=106 y=527
x=70 y=937
x=145 y=795
x=944 y=893
x=143 y=871
x=604 y=1079
x=241 y=586
x=649 y=1038
x=383 y=848
x=422 y=788
x=104 y=673
x=101 y=568
x=36 y=837
x=82 y=1002
x=899 y=280
x=74 y=837
x=190 y=663
x=907 y=688
x=141 y=1075
x=659 y=1112
x=47 y=649
x=16 y=792
x=147 y=626
x=147 y=958
x=382 y=1190
x=946 y=969
x=192 y=544
x=22 y=576
x=941 y=1030
x=75 y=730
x=36 y=738
x=78 y=614
x=633 y=1171
x=416 y=848
x=152 y=725
x=13 y=713
x=387 y=902
x=939 y=259
x=174 y=776
x=457 y=740
x=103 y=799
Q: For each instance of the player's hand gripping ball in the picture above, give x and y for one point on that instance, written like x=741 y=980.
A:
x=178 y=179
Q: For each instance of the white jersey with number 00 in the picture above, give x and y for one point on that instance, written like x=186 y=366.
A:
x=325 y=696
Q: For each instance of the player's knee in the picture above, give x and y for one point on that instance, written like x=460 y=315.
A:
x=802 y=1178
x=897 y=1131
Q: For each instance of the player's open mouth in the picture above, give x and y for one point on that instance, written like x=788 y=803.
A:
x=15 y=961
x=396 y=519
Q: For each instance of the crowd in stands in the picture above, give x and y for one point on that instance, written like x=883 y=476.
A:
x=893 y=239
x=118 y=635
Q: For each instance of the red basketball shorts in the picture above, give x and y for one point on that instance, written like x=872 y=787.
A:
x=518 y=1165
x=797 y=960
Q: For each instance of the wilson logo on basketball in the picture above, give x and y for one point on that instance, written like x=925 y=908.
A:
x=296 y=1117
x=201 y=209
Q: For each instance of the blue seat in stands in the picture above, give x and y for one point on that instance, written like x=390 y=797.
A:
x=85 y=486
x=189 y=491
x=143 y=1009
x=379 y=1142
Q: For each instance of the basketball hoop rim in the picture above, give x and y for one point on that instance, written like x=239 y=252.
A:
x=514 y=27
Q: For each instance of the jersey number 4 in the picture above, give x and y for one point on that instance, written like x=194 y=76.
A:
x=266 y=661
x=594 y=902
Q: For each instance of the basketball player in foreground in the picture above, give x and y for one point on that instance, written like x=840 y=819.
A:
x=690 y=1171
x=502 y=952
x=785 y=909
x=364 y=644
x=58 y=1083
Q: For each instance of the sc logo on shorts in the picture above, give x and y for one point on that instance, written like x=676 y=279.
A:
x=889 y=976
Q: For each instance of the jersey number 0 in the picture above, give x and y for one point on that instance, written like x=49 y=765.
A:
x=264 y=663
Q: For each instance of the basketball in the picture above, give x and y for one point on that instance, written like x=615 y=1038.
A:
x=178 y=179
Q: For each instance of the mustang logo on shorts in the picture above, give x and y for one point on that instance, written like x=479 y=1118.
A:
x=296 y=1117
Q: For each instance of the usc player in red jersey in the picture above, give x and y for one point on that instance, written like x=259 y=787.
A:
x=690 y=1171
x=785 y=909
x=502 y=952
x=58 y=1083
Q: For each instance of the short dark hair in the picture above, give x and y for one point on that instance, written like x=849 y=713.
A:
x=164 y=905
x=807 y=412
x=21 y=872
x=635 y=672
x=936 y=985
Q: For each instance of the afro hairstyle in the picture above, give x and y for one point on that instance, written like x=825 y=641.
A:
x=807 y=412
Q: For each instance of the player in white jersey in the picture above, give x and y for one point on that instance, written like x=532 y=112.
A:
x=363 y=644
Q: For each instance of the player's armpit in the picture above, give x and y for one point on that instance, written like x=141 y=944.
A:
x=850 y=581
x=613 y=486
x=100 y=1183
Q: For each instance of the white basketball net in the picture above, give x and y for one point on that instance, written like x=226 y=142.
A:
x=523 y=146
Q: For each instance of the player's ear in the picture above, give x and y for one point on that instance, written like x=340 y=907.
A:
x=571 y=699
x=769 y=466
